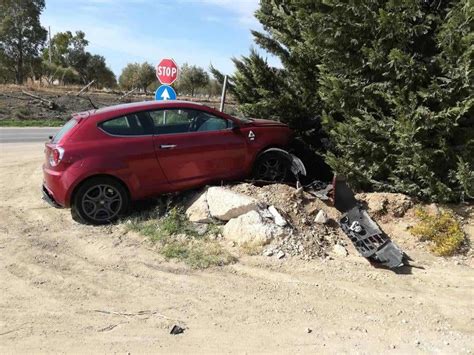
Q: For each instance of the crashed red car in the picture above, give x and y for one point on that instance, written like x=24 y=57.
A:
x=102 y=160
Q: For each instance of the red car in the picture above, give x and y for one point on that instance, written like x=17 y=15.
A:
x=102 y=160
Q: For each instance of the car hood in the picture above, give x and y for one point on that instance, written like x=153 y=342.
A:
x=261 y=122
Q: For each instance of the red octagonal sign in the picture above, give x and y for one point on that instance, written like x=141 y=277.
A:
x=167 y=71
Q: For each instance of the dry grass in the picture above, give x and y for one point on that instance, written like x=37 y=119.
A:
x=443 y=231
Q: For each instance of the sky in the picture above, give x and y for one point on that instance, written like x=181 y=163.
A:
x=198 y=32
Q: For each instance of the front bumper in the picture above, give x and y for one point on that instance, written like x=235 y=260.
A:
x=49 y=198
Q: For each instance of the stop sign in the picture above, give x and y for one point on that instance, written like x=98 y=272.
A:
x=167 y=71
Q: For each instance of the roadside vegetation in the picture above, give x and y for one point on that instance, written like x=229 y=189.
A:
x=177 y=238
x=443 y=231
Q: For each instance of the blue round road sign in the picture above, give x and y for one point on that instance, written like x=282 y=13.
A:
x=165 y=92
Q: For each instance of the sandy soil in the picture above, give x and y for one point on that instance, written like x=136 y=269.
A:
x=70 y=288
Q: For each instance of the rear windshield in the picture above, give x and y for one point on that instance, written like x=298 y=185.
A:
x=66 y=128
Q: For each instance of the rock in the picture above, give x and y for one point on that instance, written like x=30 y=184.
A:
x=281 y=254
x=277 y=217
x=339 y=250
x=225 y=204
x=200 y=228
x=321 y=217
x=268 y=252
x=198 y=211
x=176 y=330
x=309 y=330
x=251 y=228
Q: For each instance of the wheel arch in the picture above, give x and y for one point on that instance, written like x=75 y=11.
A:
x=95 y=176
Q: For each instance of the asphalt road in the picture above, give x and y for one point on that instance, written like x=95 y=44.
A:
x=26 y=135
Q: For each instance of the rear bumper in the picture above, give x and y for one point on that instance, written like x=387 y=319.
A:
x=49 y=198
x=57 y=185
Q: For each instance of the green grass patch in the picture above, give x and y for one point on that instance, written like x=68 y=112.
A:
x=177 y=238
x=32 y=123
x=444 y=232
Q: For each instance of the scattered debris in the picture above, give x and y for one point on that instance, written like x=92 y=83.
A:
x=268 y=252
x=281 y=254
x=338 y=249
x=321 y=217
x=176 y=330
x=309 y=330
x=277 y=217
x=49 y=104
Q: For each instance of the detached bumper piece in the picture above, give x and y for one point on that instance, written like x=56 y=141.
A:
x=48 y=197
x=370 y=241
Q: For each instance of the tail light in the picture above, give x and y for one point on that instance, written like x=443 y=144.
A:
x=55 y=156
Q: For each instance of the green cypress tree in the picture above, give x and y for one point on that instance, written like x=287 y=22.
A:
x=390 y=80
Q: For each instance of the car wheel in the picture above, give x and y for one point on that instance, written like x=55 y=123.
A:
x=271 y=166
x=99 y=201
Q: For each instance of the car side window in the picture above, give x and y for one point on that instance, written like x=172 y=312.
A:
x=185 y=121
x=129 y=125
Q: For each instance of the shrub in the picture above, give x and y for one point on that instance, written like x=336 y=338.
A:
x=443 y=231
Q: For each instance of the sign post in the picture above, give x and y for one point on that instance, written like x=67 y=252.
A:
x=167 y=74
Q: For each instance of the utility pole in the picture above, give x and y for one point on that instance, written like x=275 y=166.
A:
x=224 y=89
x=49 y=51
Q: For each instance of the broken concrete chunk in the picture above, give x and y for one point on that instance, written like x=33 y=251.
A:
x=339 y=250
x=198 y=211
x=281 y=254
x=251 y=228
x=277 y=217
x=225 y=204
x=321 y=217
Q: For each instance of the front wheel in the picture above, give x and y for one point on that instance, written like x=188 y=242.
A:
x=99 y=201
x=271 y=166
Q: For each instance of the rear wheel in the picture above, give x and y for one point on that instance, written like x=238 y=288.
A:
x=271 y=166
x=99 y=201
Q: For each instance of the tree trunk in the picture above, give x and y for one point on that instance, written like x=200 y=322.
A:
x=19 y=64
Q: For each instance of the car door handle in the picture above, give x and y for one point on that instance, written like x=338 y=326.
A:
x=168 y=146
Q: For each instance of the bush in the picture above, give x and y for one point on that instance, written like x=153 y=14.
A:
x=443 y=231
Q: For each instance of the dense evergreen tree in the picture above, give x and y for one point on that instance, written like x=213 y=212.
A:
x=391 y=82
x=21 y=37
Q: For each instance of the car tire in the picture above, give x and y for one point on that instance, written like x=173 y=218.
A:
x=271 y=166
x=100 y=200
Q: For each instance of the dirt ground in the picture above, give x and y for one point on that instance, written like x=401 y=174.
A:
x=66 y=287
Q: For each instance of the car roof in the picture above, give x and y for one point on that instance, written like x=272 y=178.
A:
x=146 y=105
x=109 y=112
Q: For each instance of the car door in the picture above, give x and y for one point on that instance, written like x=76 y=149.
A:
x=194 y=146
x=130 y=151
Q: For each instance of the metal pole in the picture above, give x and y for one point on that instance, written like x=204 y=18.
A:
x=224 y=89
x=49 y=31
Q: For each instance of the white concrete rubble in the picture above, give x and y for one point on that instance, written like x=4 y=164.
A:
x=225 y=204
x=251 y=228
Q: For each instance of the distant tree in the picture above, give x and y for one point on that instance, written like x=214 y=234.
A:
x=137 y=76
x=21 y=35
x=130 y=78
x=192 y=77
x=146 y=76
x=214 y=88
x=71 y=63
